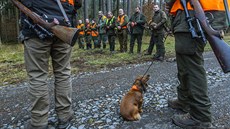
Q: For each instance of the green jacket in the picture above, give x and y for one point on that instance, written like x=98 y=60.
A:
x=218 y=22
x=159 y=18
x=111 y=26
x=140 y=20
x=102 y=25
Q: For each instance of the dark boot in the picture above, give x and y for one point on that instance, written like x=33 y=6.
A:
x=131 y=49
x=155 y=56
x=104 y=46
x=160 y=58
x=28 y=125
x=176 y=104
x=147 y=53
x=65 y=125
x=188 y=122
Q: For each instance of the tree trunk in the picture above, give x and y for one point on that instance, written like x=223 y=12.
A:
x=94 y=9
x=160 y=4
x=141 y=4
x=129 y=8
x=86 y=14
x=118 y=5
x=133 y=5
x=17 y=21
x=0 y=27
x=104 y=7
x=109 y=6
x=149 y=2
x=100 y=5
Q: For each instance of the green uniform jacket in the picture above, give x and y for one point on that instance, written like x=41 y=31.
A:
x=102 y=25
x=140 y=20
x=111 y=23
x=159 y=18
x=218 y=22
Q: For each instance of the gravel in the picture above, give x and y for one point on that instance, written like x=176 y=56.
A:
x=97 y=97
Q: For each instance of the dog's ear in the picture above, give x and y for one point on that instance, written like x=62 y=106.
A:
x=139 y=77
x=146 y=78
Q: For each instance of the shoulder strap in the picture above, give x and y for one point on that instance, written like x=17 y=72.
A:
x=64 y=13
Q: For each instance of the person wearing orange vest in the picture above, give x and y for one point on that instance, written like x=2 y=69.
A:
x=192 y=90
x=81 y=28
x=37 y=54
x=88 y=34
x=122 y=21
x=94 y=34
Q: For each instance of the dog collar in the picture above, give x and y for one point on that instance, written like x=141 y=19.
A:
x=134 y=87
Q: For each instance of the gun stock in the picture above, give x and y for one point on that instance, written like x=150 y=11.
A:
x=219 y=47
x=66 y=34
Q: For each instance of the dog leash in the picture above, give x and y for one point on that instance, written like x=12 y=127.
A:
x=147 y=69
x=142 y=85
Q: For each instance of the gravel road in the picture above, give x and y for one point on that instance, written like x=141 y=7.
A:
x=96 y=97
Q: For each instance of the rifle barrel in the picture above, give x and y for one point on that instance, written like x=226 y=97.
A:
x=227 y=11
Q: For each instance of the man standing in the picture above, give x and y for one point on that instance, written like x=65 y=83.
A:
x=192 y=90
x=37 y=53
x=88 y=34
x=122 y=21
x=136 y=23
x=157 y=26
x=102 y=29
x=94 y=34
x=110 y=30
x=81 y=28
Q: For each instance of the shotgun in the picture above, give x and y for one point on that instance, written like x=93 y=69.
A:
x=220 y=48
x=67 y=34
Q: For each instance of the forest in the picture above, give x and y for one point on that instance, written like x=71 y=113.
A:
x=9 y=15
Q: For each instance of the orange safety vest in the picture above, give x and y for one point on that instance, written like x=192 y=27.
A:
x=87 y=26
x=94 y=33
x=70 y=1
x=207 y=5
x=121 y=20
x=80 y=26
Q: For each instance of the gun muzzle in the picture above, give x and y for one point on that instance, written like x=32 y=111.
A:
x=67 y=34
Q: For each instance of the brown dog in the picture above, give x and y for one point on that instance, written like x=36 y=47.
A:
x=131 y=104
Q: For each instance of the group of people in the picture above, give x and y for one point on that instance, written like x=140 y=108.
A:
x=108 y=27
x=192 y=90
x=104 y=30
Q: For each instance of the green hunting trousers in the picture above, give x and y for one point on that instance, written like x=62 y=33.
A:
x=192 y=89
x=111 y=39
x=95 y=42
x=37 y=54
x=160 y=47
x=102 y=38
x=139 y=42
x=88 y=39
x=123 y=36
x=81 y=42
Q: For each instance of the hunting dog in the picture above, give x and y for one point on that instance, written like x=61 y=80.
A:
x=131 y=103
